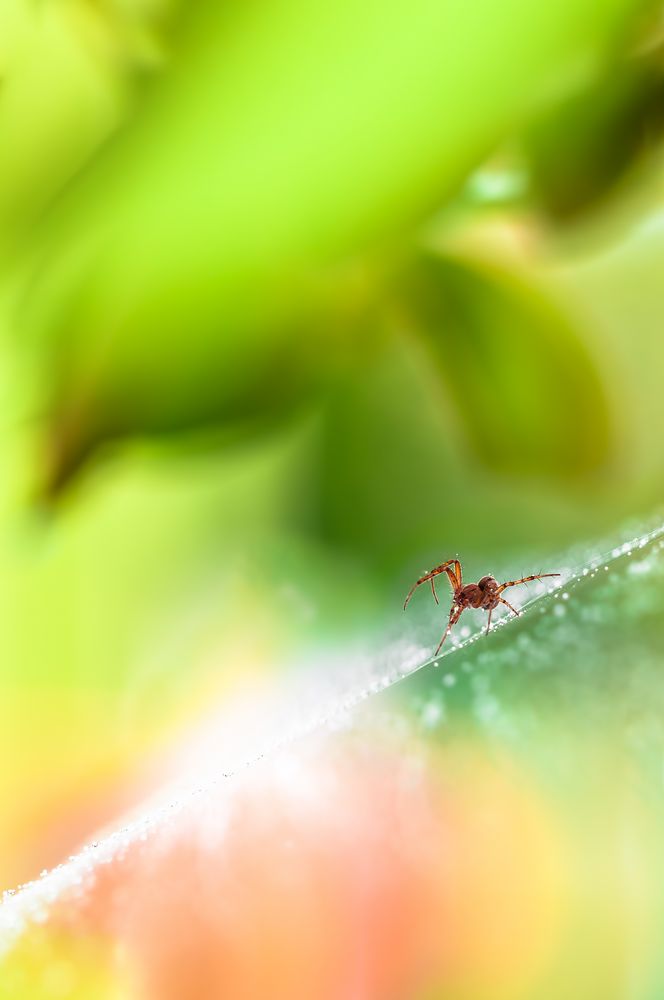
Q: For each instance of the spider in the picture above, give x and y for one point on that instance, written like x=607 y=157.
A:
x=485 y=594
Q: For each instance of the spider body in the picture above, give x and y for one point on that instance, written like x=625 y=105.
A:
x=486 y=594
x=478 y=595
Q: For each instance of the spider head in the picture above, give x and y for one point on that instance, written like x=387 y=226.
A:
x=487 y=583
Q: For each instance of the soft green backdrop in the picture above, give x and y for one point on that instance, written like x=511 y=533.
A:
x=296 y=300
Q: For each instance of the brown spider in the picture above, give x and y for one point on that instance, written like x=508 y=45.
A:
x=485 y=594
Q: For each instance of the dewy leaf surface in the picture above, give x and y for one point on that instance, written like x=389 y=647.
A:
x=549 y=730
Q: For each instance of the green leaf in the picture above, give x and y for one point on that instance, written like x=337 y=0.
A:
x=580 y=152
x=526 y=390
x=185 y=266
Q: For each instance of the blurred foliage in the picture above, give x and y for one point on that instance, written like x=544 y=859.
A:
x=583 y=148
x=215 y=210
x=296 y=299
x=455 y=392
x=69 y=75
x=525 y=412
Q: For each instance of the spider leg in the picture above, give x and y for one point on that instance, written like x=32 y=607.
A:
x=455 y=614
x=508 y=605
x=524 y=579
x=488 y=624
x=433 y=590
x=453 y=575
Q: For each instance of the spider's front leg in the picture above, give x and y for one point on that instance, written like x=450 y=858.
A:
x=455 y=614
x=451 y=568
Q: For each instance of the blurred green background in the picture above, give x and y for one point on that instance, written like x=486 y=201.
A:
x=297 y=300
